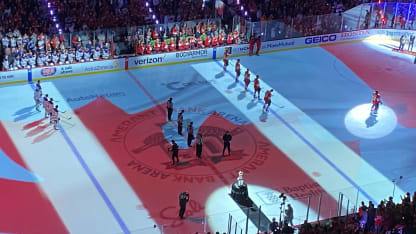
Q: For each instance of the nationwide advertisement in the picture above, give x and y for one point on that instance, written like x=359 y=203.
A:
x=78 y=68
x=13 y=76
x=169 y=58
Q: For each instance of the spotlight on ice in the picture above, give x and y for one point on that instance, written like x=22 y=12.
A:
x=360 y=122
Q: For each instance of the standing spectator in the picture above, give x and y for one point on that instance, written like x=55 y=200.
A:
x=75 y=41
x=402 y=42
x=274 y=226
x=411 y=42
x=227 y=139
x=198 y=144
x=363 y=215
x=289 y=215
x=183 y=199
x=378 y=222
x=371 y=216
x=366 y=19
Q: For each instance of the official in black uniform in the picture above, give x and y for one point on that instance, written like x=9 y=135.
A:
x=175 y=151
x=169 y=107
x=180 y=122
x=183 y=199
x=190 y=131
x=198 y=144
x=226 y=138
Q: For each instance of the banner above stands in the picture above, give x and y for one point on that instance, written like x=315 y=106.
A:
x=89 y=68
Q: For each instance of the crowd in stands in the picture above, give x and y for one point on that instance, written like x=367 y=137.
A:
x=387 y=217
x=185 y=36
x=98 y=14
x=28 y=36
x=300 y=14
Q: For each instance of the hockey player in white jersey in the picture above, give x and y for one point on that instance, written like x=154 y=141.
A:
x=47 y=60
x=32 y=60
x=87 y=54
x=55 y=117
x=23 y=61
x=79 y=55
x=55 y=58
x=39 y=60
x=96 y=53
x=38 y=85
x=6 y=64
x=106 y=53
x=37 y=97
x=71 y=56
x=17 y=62
x=62 y=57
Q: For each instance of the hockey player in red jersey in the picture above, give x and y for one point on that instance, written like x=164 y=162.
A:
x=237 y=70
x=376 y=102
x=267 y=99
x=45 y=104
x=225 y=59
x=50 y=109
x=246 y=79
x=55 y=117
x=257 y=86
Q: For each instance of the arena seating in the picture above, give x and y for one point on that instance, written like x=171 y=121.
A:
x=101 y=29
x=387 y=217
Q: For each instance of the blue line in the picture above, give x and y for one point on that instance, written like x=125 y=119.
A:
x=309 y=144
x=93 y=179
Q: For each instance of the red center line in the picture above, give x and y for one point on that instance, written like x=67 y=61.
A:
x=155 y=102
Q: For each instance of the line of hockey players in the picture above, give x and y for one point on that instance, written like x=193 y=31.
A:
x=51 y=111
x=50 y=58
x=267 y=95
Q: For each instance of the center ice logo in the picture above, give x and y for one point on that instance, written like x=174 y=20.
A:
x=150 y=156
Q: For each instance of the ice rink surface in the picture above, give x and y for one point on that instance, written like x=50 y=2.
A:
x=108 y=169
